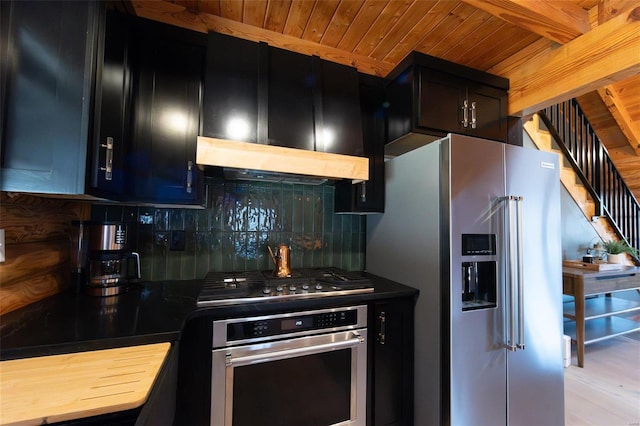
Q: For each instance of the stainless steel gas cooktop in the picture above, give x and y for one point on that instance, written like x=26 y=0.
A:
x=228 y=288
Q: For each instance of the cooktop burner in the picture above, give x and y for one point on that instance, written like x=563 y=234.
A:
x=227 y=288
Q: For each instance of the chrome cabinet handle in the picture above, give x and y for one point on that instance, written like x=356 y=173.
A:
x=189 y=177
x=474 y=121
x=363 y=191
x=108 y=161
x=136 y=256
x=290 y=353
x=465 y=113
x=382 y=334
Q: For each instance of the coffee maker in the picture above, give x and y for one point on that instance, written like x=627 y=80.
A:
x=113 y=267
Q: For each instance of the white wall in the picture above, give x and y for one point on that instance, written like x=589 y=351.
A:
x=577 y=233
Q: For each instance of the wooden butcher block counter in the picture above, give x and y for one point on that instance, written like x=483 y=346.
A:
x=55 y=388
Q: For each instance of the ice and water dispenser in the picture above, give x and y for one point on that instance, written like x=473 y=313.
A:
x=479 y=279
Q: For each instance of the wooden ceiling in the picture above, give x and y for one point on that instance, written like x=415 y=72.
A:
x=550 y=50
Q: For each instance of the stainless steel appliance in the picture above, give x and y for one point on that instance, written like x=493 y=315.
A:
x=475 y=225
x=302 y=368
x=227 y=288
x=112 y=266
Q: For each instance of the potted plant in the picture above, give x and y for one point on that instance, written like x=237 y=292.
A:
x=616 y=250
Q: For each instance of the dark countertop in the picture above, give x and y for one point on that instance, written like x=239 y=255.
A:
x=152 y=313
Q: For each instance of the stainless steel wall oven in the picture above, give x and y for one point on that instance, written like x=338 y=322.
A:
x=303 y=368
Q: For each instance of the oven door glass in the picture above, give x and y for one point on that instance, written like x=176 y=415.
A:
x=314 y=380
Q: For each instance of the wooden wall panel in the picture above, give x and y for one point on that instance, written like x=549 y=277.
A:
x=37 y=242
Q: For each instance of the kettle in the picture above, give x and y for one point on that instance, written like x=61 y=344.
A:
x=282 y=261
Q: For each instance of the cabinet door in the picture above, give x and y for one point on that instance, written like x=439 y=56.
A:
x=112 y=96
x=47 y=67
x=231 y=88
x=167 y=99
x=490 y=112
x=290 y=100
x=367 y=197
x=392 y=363
x=440 y=101
x=338 y=121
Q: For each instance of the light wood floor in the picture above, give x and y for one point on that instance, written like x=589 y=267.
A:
x=606 y=392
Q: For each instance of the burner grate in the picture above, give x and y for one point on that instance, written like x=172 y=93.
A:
x=258 y=286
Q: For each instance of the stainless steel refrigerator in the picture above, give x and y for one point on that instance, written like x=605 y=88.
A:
x=475 y=226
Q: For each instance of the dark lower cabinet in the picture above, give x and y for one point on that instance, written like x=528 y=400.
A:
x=167 y=99
x=389 y=364
x=390 y=377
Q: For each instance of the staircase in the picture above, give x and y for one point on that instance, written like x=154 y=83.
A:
x=587 y=172
x=544 y=142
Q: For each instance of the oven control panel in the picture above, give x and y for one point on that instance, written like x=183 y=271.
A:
x=278 y=325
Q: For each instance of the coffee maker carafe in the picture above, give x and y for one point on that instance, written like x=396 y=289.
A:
x=112 y=266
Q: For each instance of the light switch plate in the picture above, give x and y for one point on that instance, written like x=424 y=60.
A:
x=2 y=258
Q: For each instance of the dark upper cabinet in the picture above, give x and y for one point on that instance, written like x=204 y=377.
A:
x=338 y=109
x=390 y=377
x=290 y=85
x=168 y=65
x=367 y=197
x=231 y=97
x=46 y=59
x=112 y=95
x=263 y=94
x=434 y=97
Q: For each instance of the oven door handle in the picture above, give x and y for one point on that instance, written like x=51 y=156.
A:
x=290 y=353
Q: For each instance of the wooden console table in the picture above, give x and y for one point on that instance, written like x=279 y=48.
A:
x=594 y=309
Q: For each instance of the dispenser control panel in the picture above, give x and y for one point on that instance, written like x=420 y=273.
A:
x=478 y=244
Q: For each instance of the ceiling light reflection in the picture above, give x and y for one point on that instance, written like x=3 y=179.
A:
x=237 y=129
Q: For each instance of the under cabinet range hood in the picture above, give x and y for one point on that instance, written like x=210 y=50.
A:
x=252 y=157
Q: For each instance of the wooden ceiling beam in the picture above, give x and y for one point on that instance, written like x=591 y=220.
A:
x=556 y=20
x=628 y=127
x=604 y=55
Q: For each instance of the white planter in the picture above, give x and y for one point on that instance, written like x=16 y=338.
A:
x=615 y=258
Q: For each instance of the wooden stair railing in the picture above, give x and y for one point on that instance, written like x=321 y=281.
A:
x=587 y=155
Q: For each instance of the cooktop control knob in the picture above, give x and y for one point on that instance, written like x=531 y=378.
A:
x=318 y=286
x=292 y=287
x=279 y=288
x=266 y=290
x=305 y=286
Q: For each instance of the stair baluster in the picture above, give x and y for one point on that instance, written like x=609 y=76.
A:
x=572 y=132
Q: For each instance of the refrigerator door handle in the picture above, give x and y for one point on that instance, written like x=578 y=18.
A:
x=511 y=277
x=520 y=274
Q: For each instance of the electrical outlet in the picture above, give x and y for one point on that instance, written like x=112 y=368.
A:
x=2 y=257
x=177 y=241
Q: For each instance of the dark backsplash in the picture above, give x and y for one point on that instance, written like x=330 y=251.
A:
x=233 y=231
